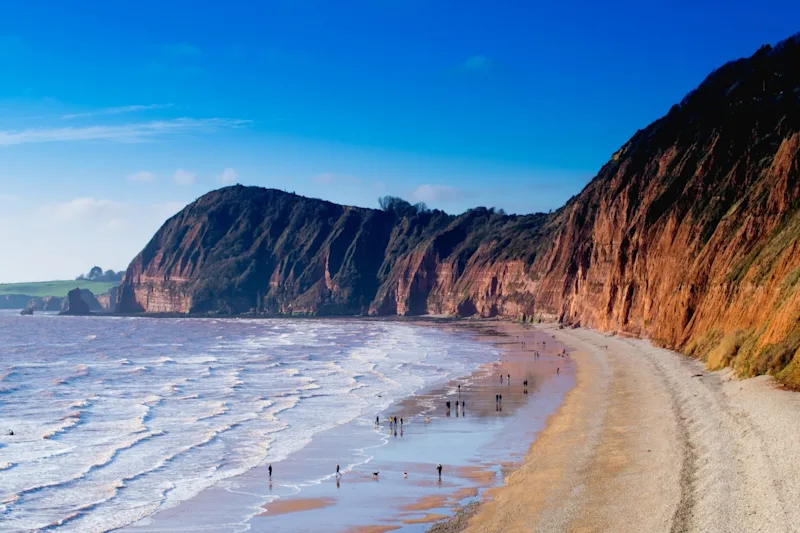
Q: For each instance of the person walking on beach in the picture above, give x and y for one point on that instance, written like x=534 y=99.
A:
x=509 y=379
x=558 y=370
x=337 y=471
x=270 y=471
x=439 y=469
x=378 y=420
x=401 y=421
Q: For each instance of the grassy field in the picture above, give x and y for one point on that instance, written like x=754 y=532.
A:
x=53 y=288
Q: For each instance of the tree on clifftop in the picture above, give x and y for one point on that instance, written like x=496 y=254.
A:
x=95 y=274
x=400 y=207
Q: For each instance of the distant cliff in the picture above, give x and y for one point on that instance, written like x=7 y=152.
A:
x=689 y=235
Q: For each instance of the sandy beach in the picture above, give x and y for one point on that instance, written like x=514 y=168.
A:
x=650 y=441
x=478 y=444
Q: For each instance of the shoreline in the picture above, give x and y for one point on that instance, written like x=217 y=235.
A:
x=648 y=440
x=413 y=504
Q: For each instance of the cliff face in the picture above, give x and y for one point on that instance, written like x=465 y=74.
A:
x=688 y=235
x=107 y=300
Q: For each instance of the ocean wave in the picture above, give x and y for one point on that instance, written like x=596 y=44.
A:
x=163 y=345
x=6 y=466
x=188 y=397
x=147 y=405
x=198 y=360
x=68 y=422
x=220 y=409
x=277 y=394
x=103 y=460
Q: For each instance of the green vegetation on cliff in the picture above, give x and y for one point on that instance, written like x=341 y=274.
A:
x=41 y=289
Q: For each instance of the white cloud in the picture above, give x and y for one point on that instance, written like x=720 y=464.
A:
x=184 y=177
x=137 y=132
x=79 y=208
x=142 y=177
x=117 y=110
x=177 y=50
x=476 y=63
x=323 y=179
x=63 y=239
x=439 y=193
x=228 y=176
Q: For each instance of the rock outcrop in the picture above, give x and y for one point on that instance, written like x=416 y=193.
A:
x=689 y=235
x=14 y=301
x=107 y=300
x=75 y=304
x=27 y=311
x=46 y=303
x=91 y=302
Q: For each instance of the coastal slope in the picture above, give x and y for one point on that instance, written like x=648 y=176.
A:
x=688 y=235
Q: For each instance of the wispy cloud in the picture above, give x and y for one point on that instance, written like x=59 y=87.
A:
x=137 y=132
x=476 y=64
x=439 y=193
x=117 y=110
x=80 y=208
x=176 y=50
x=329 y=178
x=228 y=176
x=142 y=177
x=184 y=177
x=119 y=230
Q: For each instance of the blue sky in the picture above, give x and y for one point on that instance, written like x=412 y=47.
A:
x=113 y=116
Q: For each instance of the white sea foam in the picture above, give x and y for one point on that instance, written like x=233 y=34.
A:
x=202 y=402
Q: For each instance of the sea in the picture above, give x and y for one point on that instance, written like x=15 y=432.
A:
x=115 y=419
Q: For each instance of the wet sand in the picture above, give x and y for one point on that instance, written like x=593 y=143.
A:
x=374 y=529
x=650 y=441
x=475 y=445
x=295 y=505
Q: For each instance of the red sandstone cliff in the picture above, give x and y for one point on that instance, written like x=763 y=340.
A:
x=688 y=235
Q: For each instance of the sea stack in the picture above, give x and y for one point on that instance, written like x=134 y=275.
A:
x=74 y=304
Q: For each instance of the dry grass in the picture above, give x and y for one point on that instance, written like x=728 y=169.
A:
x=726 y=349
x=699 y=347
x=775 y=358
x=790 y=376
